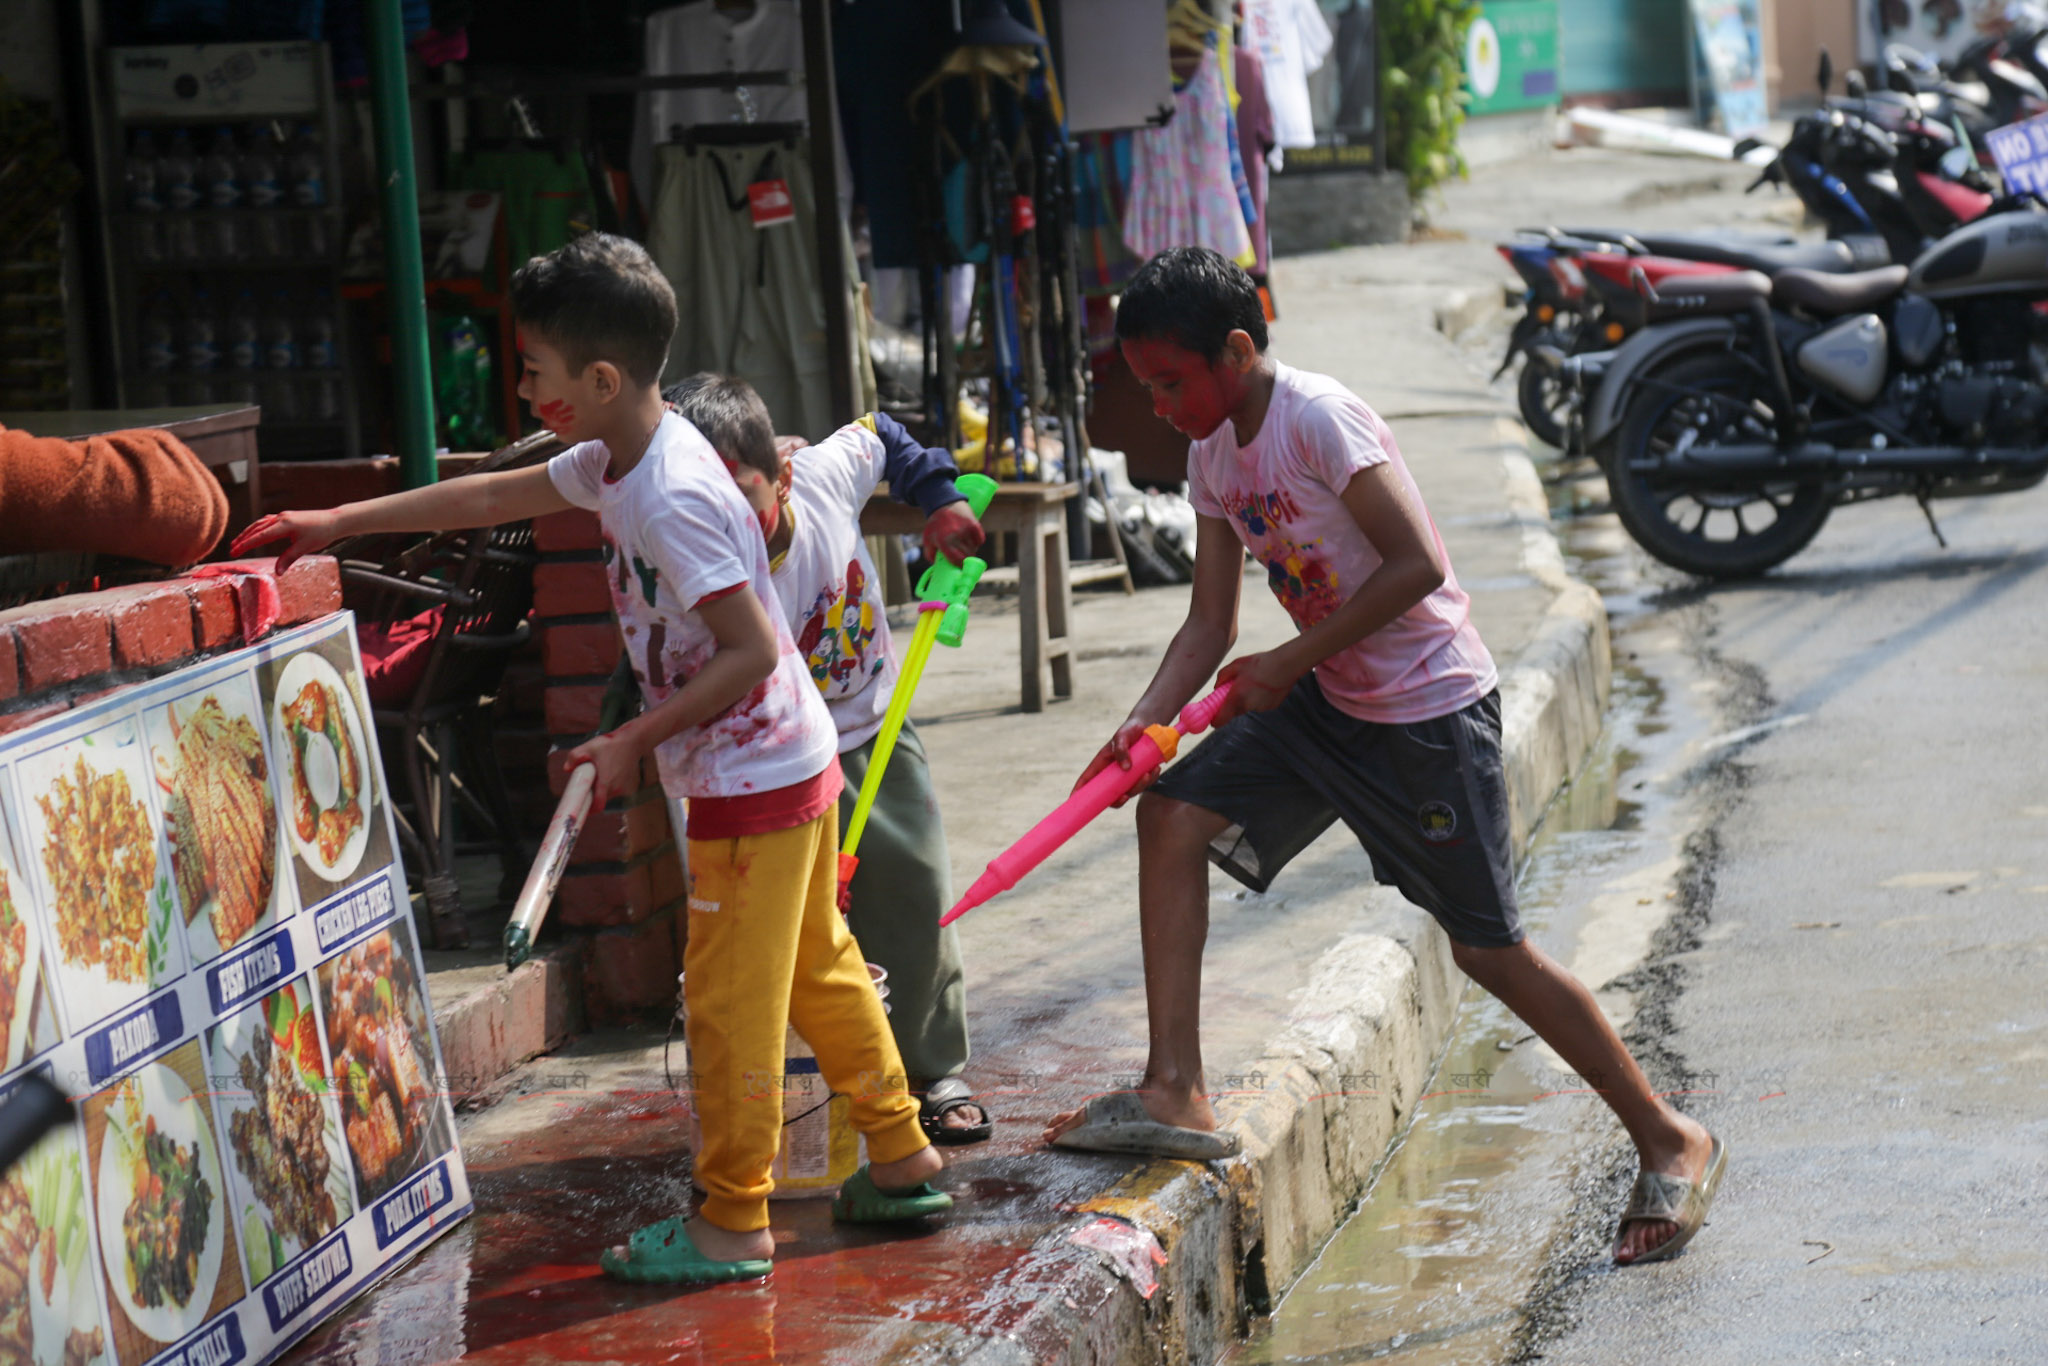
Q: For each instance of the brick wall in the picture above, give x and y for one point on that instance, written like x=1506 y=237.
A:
x=59 y=652
x=624 y=885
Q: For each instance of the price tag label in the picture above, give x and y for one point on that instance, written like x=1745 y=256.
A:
x=770 y=203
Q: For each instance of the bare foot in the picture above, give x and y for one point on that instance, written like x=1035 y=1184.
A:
x=920 y=1166
x=1642 y=1236
x=966 y=1116
x=1184 y=1107
x=723 y=1245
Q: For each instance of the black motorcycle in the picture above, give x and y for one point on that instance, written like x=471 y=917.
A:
x=1791 y=395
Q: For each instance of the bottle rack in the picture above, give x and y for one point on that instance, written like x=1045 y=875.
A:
x=278 y=264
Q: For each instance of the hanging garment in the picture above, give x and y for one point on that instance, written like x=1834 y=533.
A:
x=1182 y=193
x=1255 y=139
x=748 y=301
x=547 y=196
x=1102 y=176
x=1293 y=39
x=700 y=39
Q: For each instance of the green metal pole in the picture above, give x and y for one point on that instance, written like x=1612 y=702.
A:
x=404 y=274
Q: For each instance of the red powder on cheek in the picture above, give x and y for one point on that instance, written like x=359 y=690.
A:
x=557 y=414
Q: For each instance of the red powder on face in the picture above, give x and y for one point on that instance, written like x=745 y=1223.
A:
x=557 y=414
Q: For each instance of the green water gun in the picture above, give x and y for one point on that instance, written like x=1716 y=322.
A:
x=942 y=593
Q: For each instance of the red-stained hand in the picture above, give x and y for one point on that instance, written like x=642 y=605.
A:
x=1262 y=682
x=953 y=532
x=618 y=765
x=789 y=445
x=302 y=532
x=1118 y=752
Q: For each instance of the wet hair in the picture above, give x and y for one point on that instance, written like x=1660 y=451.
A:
x=731 y=416
x=1194 y=298
x=599 y=297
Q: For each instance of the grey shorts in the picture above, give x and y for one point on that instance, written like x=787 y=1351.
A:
x=1427 y=800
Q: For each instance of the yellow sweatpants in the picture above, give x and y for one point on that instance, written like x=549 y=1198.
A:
x=768 y=947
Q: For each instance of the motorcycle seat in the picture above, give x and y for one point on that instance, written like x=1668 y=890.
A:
x=1834 y=258
x=1833 y=294
x=1681 y=294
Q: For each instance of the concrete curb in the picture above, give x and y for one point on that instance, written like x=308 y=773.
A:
x=1464 y=309
x=499 y=1023
x=1338 y=1079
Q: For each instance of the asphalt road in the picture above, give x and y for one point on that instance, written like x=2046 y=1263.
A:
x=1858 y=978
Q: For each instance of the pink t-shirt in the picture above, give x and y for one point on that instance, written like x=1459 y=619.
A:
x=1281 y=494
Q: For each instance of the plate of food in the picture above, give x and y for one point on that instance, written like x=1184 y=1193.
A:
x=392 y=1116
x=20 y=967
x=220 y=819
x=284 y=1129
x=160 y=1206
x=319 y=742
x=91 y=827
x=50 y=1317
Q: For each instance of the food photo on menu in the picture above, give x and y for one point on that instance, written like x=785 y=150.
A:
x=28 y=1021
x=92 y=833
x=394 y=1114
x=220 y=814
x=167 y=1241
x=49 y=1313
x=326 y=763
x=290 y=1177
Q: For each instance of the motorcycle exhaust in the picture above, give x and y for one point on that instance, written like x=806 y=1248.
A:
x=1714 y=464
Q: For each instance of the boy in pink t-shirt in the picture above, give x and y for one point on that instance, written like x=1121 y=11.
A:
x=1383 y=712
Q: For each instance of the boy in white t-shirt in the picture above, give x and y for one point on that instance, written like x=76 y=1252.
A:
x=1383 y=713
x=810 y=499
x=735 y=728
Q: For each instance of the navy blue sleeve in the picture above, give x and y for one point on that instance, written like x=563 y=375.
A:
x=920 y=475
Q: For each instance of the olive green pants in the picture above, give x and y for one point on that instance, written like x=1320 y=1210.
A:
x=900 y=890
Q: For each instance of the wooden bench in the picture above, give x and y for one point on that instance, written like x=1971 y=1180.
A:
x=1044 y=581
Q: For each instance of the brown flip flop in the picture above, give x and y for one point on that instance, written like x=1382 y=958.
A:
x=1673 y=1198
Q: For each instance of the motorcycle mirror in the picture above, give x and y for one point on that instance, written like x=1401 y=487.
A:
x=1827 y=72
x=1853 y=84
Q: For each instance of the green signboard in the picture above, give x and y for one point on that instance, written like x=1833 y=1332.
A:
x=1511 y=56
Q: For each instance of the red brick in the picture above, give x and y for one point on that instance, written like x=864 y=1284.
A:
x=60 y=640
x=632 y=971
x=582 y=650
x=16 y=720
x=569 y=529
x=308 y=590
x=613 y=897
x=574 y=589
x=616 y=836
x=214 y=619
x=10 y=679
x=152 y=624
x=573 y=709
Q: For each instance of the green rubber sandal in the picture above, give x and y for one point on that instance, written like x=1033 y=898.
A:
x=861 y=1201
x=662 y=1254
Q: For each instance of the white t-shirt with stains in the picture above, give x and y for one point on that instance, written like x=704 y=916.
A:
x=1282 y=495
x=677 y=530
x=828 y=584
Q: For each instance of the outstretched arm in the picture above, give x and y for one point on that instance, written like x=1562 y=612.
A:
x=471 y=501
x=923 y=476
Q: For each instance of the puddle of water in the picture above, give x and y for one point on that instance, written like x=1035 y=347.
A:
x=1435 y=1265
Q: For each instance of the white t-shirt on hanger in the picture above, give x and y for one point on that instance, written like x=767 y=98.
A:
x=1292 y=39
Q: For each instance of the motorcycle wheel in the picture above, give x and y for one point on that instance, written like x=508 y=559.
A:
x=1544 y=402
x=1723 y=533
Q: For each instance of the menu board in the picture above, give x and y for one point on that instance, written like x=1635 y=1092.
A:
x=205 y=939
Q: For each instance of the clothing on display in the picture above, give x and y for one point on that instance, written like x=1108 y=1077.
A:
x=705 y=38
x=748 y=299
x=546 y=195
x=1102 y=178
x=1181 y=189
x=1293 y=40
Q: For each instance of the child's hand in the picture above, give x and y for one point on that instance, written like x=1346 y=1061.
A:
x=1262 y=683
x=618 y=765
x=953 y=532
x=786 y=446
x=1118 y=752
x=302 y=532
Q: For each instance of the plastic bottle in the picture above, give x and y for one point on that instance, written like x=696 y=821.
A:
x=245 y=344
x=280 y=337
x=263 y=187
x=177 y=187
x=138 y=176
x=157 y=351
x=220 y=179
x=202 y=347
x=306 y=174
x=316 y=341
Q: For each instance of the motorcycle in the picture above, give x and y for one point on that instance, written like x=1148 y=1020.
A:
x=1789 y=396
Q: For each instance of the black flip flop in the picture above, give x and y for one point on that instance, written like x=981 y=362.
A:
x=941 y=1099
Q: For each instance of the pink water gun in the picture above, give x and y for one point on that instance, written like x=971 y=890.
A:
x=1157 y=745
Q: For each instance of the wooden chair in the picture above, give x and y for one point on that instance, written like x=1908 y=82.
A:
x=438 y=620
